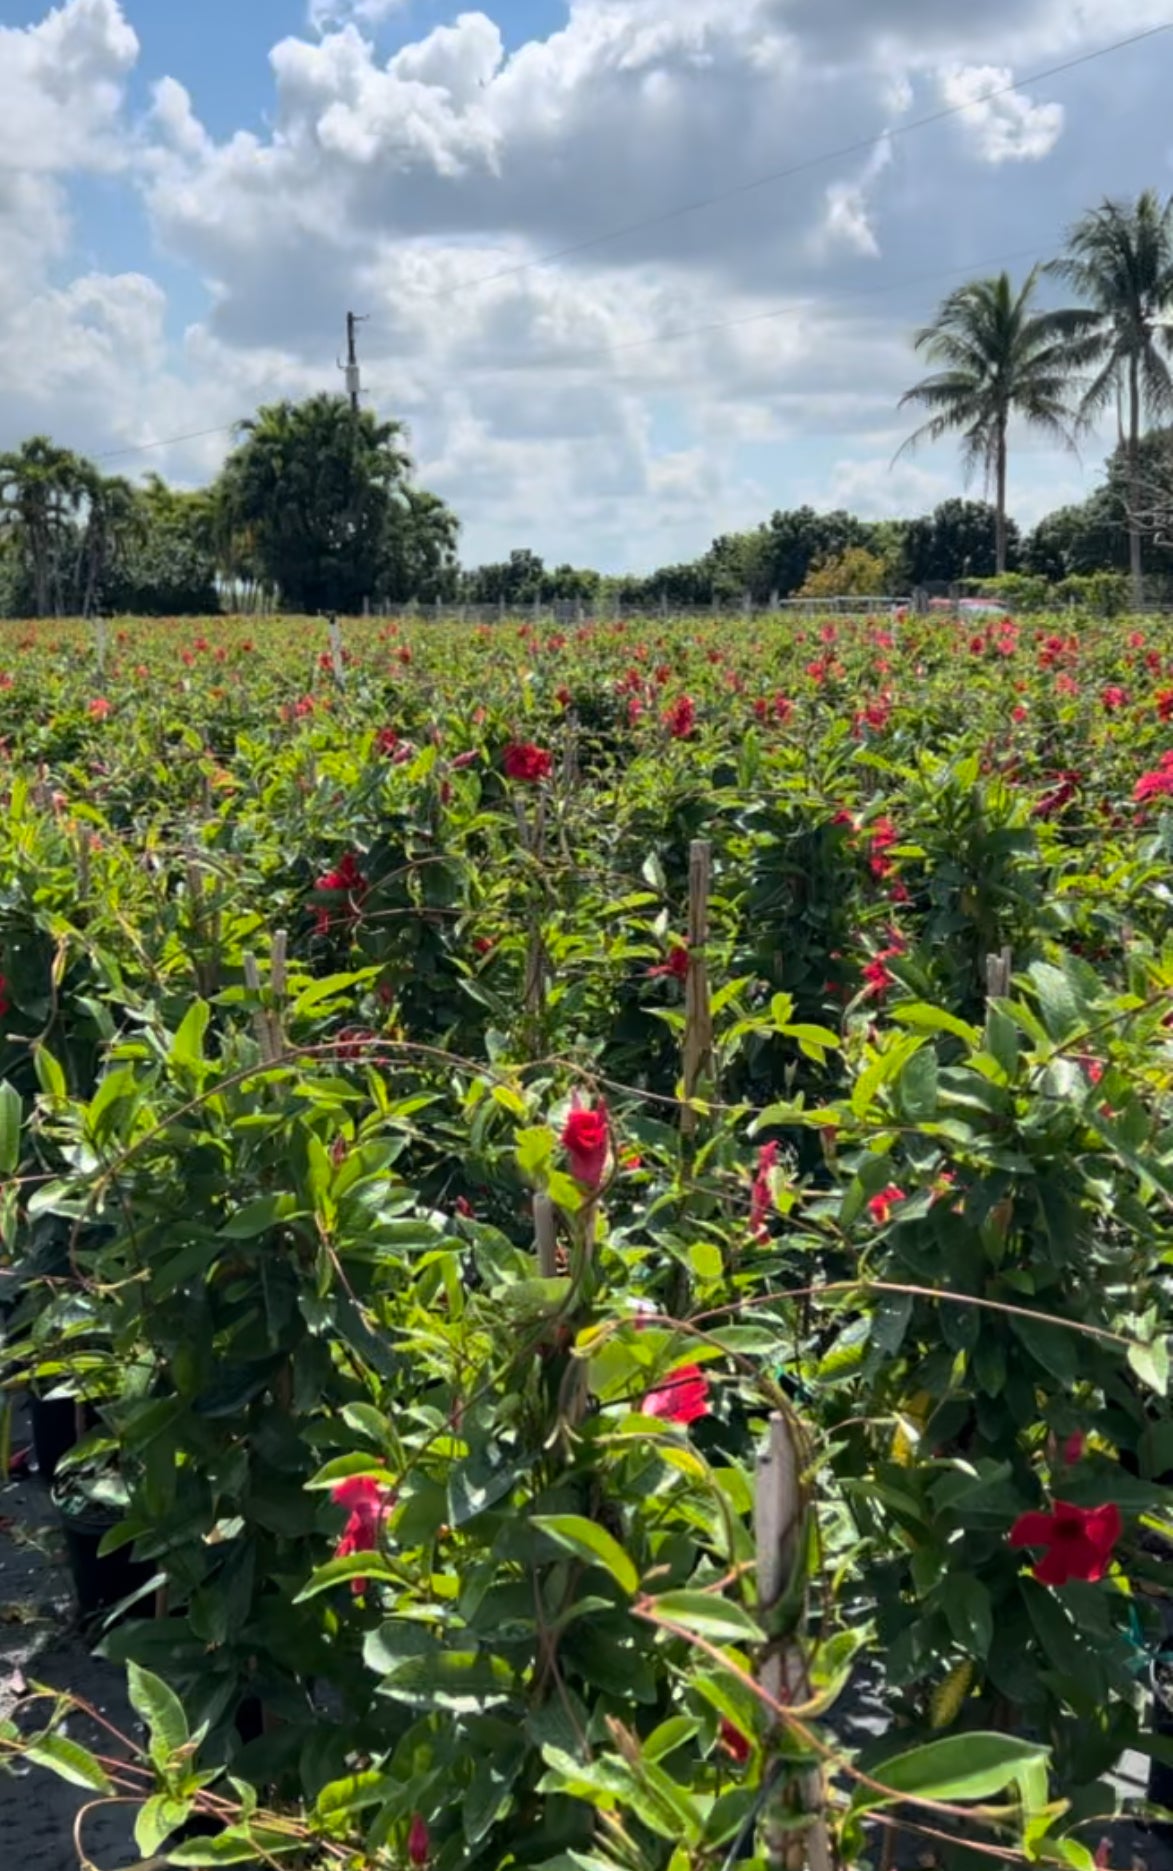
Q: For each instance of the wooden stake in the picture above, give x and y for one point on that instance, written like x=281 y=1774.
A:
x=999 y=969
x=252 y=981
x=336 y=653
x=698 y=1017
x=779 y=1519
x=545 y=1237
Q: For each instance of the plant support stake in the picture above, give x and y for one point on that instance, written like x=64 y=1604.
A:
x=698 y=1017
x=779 y=1525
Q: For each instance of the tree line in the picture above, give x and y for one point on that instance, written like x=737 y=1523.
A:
x=317 y=503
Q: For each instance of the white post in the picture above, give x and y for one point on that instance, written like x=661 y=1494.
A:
x=698 y=1017
x=336 y=652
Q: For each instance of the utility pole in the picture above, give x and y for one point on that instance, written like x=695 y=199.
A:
x=350 y=368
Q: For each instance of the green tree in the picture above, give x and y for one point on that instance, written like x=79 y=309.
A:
x=856 y=573
x=1119 y=259
x=959 y=539
x=42 y=489
x=999 y=359
x=314 y=486
x=419 y=554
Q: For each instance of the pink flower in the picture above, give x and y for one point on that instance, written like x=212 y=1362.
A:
x=99 y=708
x=585 y=1138
x=1114 y=697
x=683 y=1397
x=419 y=1844
x=1078 y=1541
x=368 y=1502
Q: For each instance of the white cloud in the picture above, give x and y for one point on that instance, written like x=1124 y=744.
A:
x=556 y=406
x=1005 y=128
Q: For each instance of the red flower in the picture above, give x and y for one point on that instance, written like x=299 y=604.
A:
x=1052 y=803
x=1114 y=697
x=585 y=1138
x=1158 y=783
x=880 y=1206
x=675 y=968
x=681 y=1398
x=1165 y=704
x=386 y=741
x=680 y=719
x=419 y=1844
x=733 y=1742
x=346 y=877
x=99 y=708
x=761 y=1202
x=466 y=759
x=1073 y=1448
x=524 y=761
x=368 y=1503
x=1078 y=1541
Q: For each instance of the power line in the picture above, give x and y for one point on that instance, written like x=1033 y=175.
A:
x=771 y=313
x=857 y=148
x=164 y=441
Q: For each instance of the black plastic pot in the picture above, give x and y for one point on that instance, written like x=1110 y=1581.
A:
x=100 y=1580
x=54 y=1425
x=1160 y=1788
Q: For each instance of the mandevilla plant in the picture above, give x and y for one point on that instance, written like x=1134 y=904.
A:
x=553 y=1320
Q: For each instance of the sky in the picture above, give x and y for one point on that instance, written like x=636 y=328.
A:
x=193 y=193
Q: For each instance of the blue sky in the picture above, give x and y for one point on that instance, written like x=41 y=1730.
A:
x=192 y=195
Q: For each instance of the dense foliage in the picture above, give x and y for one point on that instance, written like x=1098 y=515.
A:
x=436 y=1278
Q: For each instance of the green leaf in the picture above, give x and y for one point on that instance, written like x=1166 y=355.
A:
x=69 y=1761
x=935 y=1020
x=970 y=1612
x=231 y=1848
x=917 y=1086
x=11 y=1112
x=258 y=1216
x=353 y=1793
x=465 y=1682
x=1151 y=1364
x=187 y=1048
x=719 y=1619
x=50 y=1076
x=592 y=1543
x=162 y=1711
x=1057 y=1003
x=961 y=1767
x=157 y=1820
x=341 y=1571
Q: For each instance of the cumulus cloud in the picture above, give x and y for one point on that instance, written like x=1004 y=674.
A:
x=1007 y=127
x=555 y=401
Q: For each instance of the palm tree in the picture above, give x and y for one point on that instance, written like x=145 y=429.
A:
x=1119 y=259
x=999 y=358
x=41 y=489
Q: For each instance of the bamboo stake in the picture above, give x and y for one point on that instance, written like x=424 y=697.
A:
x=336 y=652
x=999 y=969
x=545 y=1237
x=698 y=1026
x=779 y=1517
x=252 y=981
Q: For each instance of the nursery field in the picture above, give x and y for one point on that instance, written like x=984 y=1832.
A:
x=589 y=1192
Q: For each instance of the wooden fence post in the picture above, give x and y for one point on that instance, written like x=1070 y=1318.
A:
x=779 y=1528
x=698 y=1017
x=336 y=652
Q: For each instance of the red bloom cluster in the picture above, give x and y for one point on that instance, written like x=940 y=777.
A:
x=523 y=761
x=419 y=1843
x=1158 y=782
x=1077 y=1541
x=1113 y=698
x=1054 y=802
x=346 y=878
x=683 y=1397
x=883 y=836
x=761 y=1202
x=368 y=1502
x=680 y=719
x=674 y=969
x=586 y=1136
x=880 y=1206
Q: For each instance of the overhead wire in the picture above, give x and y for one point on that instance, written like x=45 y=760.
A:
x=856 y=147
